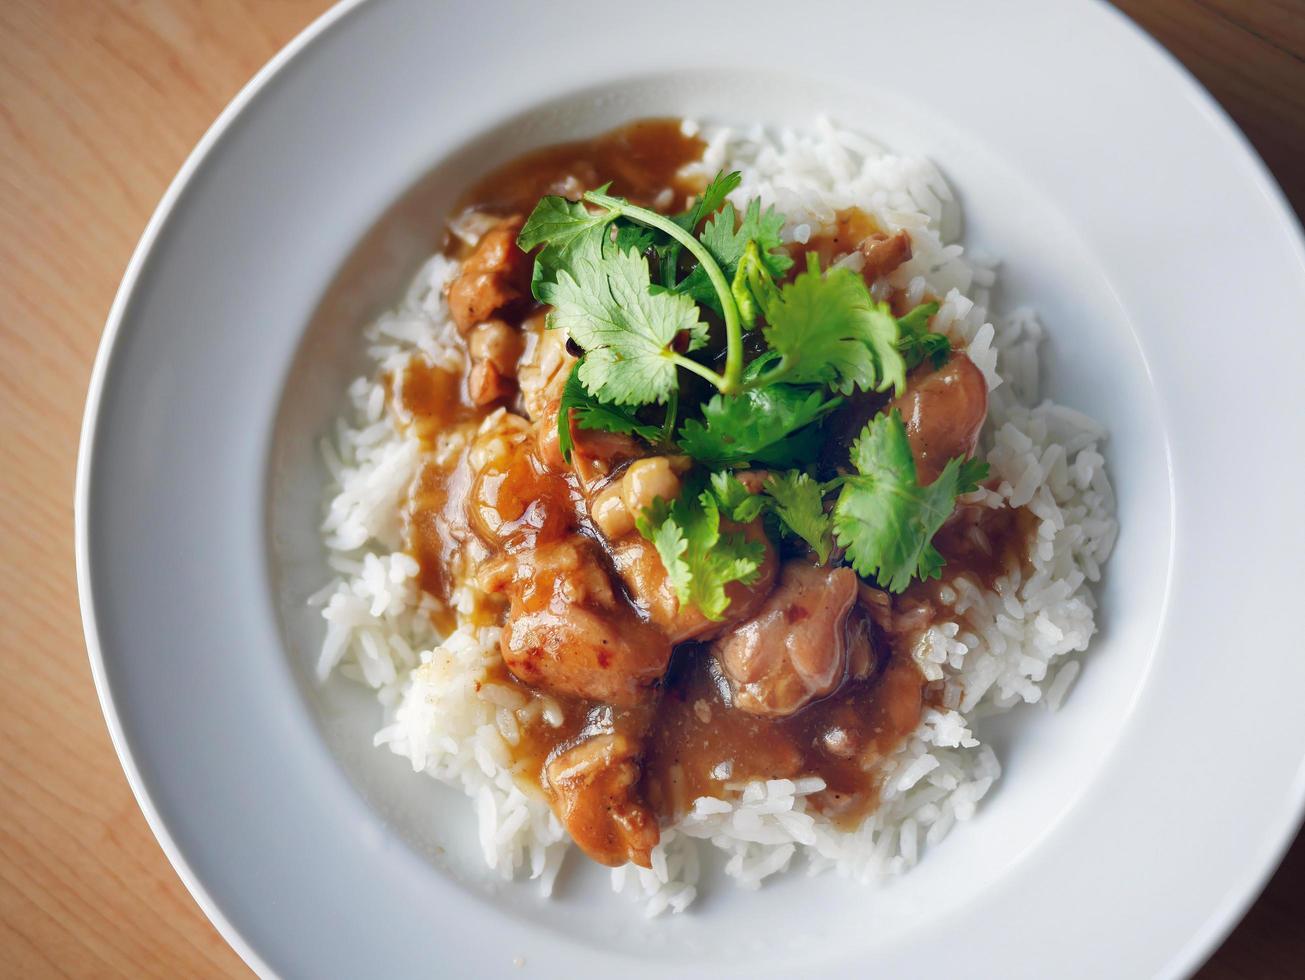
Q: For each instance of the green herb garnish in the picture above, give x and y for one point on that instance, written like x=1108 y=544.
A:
x=770 y=425
x=917 y=342
x=794 y=498
x=700 y=561
x=799 y=505
x=883 y=518
x=638 y=291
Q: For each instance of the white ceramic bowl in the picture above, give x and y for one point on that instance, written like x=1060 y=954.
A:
x=1130 y=830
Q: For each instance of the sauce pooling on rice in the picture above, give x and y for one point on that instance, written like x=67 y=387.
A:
x=715 y=575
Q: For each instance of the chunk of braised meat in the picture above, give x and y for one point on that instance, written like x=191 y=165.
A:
x=494 y=347
x=568 y=631
x=517 y=501
x=593 y=787
x=543 y=368
x=884 y=253
x=799 y=644
x=494 y=278
x=944 y=409
x=615 y=507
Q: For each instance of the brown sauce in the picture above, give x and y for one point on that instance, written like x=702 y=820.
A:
x=432 y=400
x=851 y=227
x=641 y=160
x=437 y=509
x=539 y=738
x=983 y=543
x=697 y=744
x=701 y=746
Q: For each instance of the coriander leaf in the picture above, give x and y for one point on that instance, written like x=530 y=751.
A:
x=667 y=535
x=631 y=236
x=578 y=407
x=793 y=497
x=557 y=221
x=799 y=505
x=883 y=518
x=765 y=425
x=827 y=329
x=916 y=322
x=564 y=228
x=607 y=305
x=727 y=245
x=709 y=202
x=917 y=342
x=736 y=501
x=728 y=380
x=700 y=561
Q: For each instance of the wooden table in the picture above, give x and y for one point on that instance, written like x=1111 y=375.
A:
x=100 y=101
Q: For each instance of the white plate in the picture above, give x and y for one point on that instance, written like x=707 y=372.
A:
x=1130 y=830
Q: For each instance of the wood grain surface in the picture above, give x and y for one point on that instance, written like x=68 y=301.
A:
x=100 y=102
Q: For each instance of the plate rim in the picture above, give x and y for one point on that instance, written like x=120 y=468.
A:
x=86 y=449
x=1228 y=915
x=1220 y=922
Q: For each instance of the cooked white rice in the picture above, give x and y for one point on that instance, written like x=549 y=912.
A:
x=1013 y=645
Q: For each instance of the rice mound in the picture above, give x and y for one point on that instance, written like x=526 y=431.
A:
x=1013 y=645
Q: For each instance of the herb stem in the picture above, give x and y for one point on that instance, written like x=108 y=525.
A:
x=701 y=370
x=773 y=376
x=728 y=383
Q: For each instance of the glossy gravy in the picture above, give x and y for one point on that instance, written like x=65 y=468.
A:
x=697 y=744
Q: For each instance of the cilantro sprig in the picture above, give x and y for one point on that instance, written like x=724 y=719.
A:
x=604 y=301
x=642 y=294
x=728 y=380
x=729 y=240
x=827 y=329
x=917 y=342
x=884 y=518
x=700 y=559
x=794 y=498
x=771 y=426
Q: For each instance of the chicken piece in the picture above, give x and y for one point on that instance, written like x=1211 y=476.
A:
x=544 y=366
x=486 y=384
x=798 y=645
x=494 y=347
x=495 y=277
x=943 y=409
x=614 y=508
x=883 y=254
x=568 y=631
x=644 y=575
x=593 y=788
